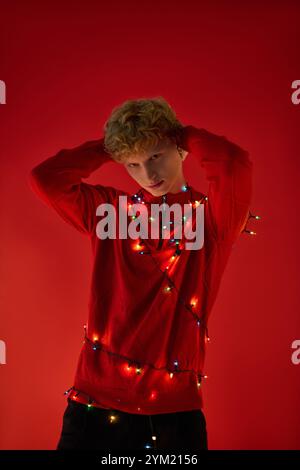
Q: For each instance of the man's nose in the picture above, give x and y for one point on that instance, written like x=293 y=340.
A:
x=149 y=174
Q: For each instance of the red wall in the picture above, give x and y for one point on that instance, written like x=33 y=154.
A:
x=225 y=66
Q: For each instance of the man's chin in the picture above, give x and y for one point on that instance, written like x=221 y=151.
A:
x=158 y=191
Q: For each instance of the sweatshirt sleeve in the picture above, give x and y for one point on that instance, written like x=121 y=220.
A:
x=57 y=181
x=228 y=170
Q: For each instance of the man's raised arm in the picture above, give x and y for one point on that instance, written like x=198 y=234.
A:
x=228 y=170
x=58 y=182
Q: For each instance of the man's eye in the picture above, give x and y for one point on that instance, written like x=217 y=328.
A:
x=154 y=157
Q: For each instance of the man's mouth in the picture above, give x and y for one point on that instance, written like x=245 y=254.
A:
x=156 y=185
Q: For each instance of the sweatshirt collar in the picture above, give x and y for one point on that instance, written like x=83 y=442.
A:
x=182 y=196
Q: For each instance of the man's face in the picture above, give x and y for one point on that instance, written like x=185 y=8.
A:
x=161 y=163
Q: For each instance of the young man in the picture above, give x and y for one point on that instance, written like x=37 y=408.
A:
x=138 y=382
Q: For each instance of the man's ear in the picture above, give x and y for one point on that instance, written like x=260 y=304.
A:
x=182 y=153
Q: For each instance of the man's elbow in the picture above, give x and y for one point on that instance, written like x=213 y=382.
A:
x=240 y=154
x=38 y=179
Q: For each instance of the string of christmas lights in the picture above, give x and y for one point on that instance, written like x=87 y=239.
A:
x=251 y=216
x=178 y=250
x=113 y=416
x=96 y=345
x=131 y=363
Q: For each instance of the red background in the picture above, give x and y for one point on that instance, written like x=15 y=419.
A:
x=225 y=66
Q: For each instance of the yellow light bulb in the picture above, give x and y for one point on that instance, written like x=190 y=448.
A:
x=112 y=418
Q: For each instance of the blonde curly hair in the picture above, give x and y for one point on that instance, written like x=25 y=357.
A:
x=136 y=125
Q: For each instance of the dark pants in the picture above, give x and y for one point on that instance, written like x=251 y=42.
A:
x=93 y=429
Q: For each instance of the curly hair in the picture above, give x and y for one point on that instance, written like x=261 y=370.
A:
x=136 y=125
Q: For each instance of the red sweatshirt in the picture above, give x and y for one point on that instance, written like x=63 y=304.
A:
x=146 y=333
